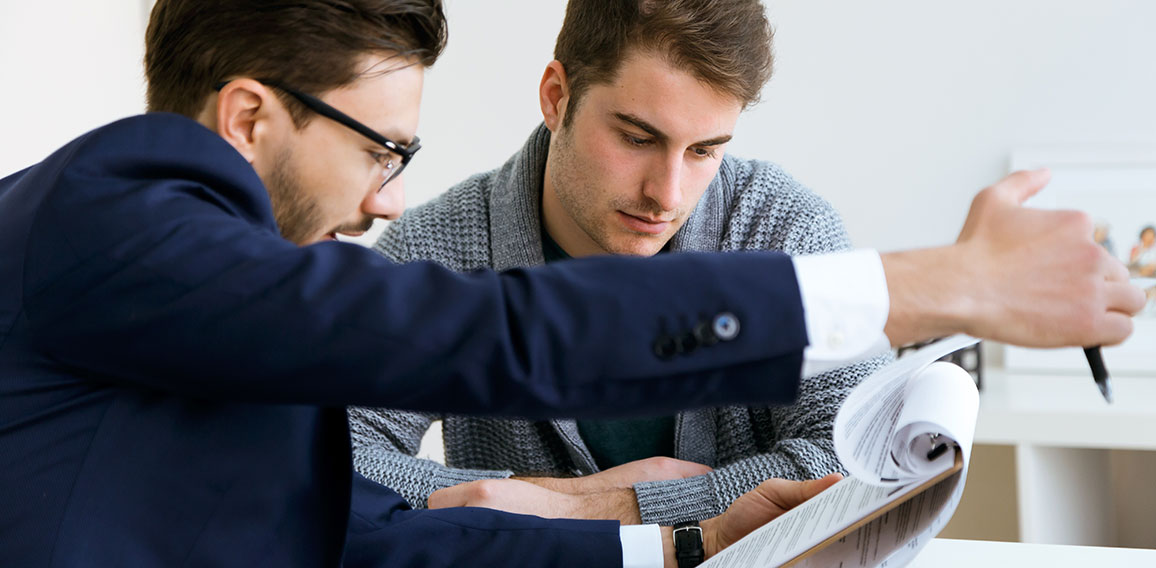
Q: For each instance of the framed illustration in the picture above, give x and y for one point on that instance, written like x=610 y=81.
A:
x=1118 y=190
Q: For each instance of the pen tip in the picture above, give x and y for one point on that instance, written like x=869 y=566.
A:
x=1106 y=390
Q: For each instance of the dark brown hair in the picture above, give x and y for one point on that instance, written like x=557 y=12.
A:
x=311 y=45
x=724 y=43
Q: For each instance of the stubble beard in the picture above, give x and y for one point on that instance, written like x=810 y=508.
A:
x=297 y=216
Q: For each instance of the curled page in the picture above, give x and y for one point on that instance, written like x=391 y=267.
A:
x=898 y=409
x=905 y=436
x=939 y=411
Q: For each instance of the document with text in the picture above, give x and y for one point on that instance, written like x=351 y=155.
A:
x=905 y=436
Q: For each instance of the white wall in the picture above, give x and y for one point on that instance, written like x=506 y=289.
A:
x=481 y=98
x=897 y=111
x=66 y=67
x=897 y=108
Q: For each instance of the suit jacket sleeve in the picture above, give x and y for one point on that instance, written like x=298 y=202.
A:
x=382 y=530
x=386 y=441
x=175 y=278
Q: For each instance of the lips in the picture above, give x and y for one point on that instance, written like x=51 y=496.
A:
x=646 y=225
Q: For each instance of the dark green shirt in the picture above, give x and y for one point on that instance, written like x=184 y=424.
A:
x=615 y=442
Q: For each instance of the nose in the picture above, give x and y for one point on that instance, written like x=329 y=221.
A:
x=388 y=203
x=664 y=184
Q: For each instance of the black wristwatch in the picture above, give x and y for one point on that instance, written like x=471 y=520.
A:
x=688 y=544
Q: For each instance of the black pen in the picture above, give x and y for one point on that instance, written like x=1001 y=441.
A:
x=1099 y=371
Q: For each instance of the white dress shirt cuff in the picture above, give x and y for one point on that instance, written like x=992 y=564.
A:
x=641 y=546
x=845 y=307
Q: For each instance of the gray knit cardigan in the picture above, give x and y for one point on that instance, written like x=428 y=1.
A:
x=491 y=220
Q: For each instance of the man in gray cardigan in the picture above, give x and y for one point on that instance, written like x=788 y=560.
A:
x=629 y=161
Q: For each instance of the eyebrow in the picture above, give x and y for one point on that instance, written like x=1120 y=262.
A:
x=661 y=136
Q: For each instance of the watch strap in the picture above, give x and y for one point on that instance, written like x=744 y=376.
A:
x=688 y=544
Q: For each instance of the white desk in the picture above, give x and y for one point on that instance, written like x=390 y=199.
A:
x=1073 y=485
x=945 y=553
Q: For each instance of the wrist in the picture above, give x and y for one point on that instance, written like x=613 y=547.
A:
x=688 y=544
x=693 y=548
x=669 y=560
x=710 y=540
x=930 y=296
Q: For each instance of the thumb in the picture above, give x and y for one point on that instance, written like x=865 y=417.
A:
x=803 y=490
x=816 y=486
x=1022 y=185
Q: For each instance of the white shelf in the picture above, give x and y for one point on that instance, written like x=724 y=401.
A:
x=1082 y=466
x=1066 y=411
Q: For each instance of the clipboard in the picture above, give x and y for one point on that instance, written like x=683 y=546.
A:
x=890 y=506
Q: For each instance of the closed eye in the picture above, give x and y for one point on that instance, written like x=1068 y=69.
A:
x=636 y=141
x=703 y=152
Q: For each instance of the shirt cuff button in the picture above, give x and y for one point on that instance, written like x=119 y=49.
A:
x=836 y=340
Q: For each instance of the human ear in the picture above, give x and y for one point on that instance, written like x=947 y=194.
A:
x=244 y=117
x=554 y=94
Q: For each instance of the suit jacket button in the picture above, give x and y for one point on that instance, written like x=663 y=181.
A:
x=687 y=343
x=725 y=326
x=665 y=347
x=704 y=332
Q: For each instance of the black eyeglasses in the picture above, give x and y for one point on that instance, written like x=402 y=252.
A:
x=392 y=163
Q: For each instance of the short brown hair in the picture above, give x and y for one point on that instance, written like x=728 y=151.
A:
x=724 y=43
x=311 y=45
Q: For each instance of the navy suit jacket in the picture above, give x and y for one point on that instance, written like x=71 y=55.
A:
x=173 y=374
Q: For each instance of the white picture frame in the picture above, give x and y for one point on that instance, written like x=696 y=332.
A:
x=1117 y=188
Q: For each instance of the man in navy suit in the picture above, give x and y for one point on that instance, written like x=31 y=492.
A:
x=169 y=301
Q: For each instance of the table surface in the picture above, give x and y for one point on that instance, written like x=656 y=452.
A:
x=948 y=553
x=1066 y=411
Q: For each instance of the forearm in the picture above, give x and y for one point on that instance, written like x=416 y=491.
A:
x=930 y=295
x=593 y=501
x=614 y=504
